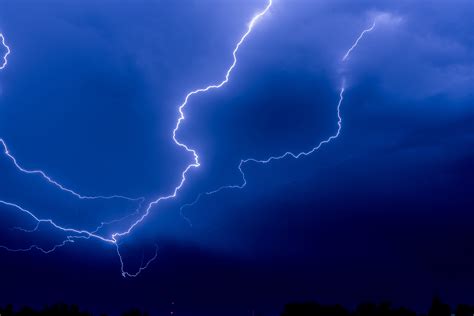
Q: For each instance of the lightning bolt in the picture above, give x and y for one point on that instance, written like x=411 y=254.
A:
x=142 y=267
x=287 y=154
x=82 y=234
x=181 y=118
x=114 y=239
x=40 y=172
x=59 y=185
x=270 y=159
x=79 y=234
x=8 y=51
x=49 y=221
x=349 y=51
x=35 y=247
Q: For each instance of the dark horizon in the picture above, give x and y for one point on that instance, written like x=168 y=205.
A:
x=437 y=308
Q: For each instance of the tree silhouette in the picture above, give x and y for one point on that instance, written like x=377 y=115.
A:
x=134 y=312
x=438 y=308
x=464 y=310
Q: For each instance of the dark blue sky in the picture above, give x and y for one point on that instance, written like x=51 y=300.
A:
x=385 y=211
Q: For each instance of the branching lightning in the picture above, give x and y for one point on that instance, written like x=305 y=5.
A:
x=73 y=234
x=142 y=267
x=287 y=154
x=270 y=159
x=181 y=118
x=115 y=236
x=79 y=232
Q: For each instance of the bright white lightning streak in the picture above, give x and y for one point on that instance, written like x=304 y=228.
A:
x=40 y=172
x=71 y=238
x=370 y=29
x=8 y=51
x=265 y=161
x=288 y=153
x=80 y=232
x=195 y=164
x=181 y=118
x=57 y=184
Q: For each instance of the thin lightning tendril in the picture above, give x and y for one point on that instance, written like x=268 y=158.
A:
x=270 y=159
x=57 y=226
x=6 y=150
x=35 y=247
x=143 y=266
x=59 y=185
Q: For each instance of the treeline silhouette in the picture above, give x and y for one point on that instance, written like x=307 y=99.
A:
x=438 y=308
x=58 y=310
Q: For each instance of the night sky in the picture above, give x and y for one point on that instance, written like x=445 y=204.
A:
x=385 y=211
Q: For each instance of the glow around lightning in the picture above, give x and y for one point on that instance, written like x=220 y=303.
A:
x=114 y=239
